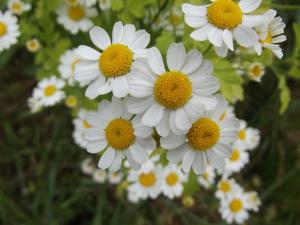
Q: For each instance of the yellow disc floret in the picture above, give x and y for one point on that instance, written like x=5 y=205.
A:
x=3 y=29
x=172 y=179
x=120 y=134
x=147 y=179
x=224 y=14
x=269 y=39
x=172 y=89
x=50 y=90
x=86 y=124
x=235 y=155
x=224 y=186
x=76 y=13
x=242 y=135
x=203 y=134
x=236 y=205
x=116 y=60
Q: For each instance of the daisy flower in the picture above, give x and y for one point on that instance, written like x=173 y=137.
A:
x=169 y=100
x=253 y=200
x=99 y=176
x=226 y=187
x=116 y=134
x=208 y=177
x=80 y=124
x=248 y=136
x=172 y=181
x=146 y=182
x=18 y=7
x=256 y=71
x=208 y=141
x=104 y=4
x=75 y=18
x=271 y=34
x=234 y=208
x=71 y=101
x=87 y=166
x=9 y=30
x=223 y=21
x=33 y=45
x=109 y=70
x=239 y=158
x=115 y=177
x=49 y=91
x=66 y=68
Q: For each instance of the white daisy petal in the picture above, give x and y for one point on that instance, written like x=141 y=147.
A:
x=107 y=158
x=100 y=37
x=175 y=56
x=117 y=33
x=188 y=160
x=248 y=6
x=155 y=61
x=192 y=62
x=119 y=86
x=172 y=141
x=92 y=90
x=228 y=39
x=87 y=53
x=245 y=36
x=153 y=115
x=199 y=164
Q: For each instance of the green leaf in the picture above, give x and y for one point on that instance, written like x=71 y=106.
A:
x=285 y=95
x=117 y=5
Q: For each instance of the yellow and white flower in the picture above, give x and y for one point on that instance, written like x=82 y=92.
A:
x=75 y=18
x=71 y=101
x=66 y=68
x=146 y=182
x=80 y=124
x=115 y=177
x=223 y=21
x=248 y=136
x=87 y=166
x=234 y=208
x=271 y=34
x=33 y=45
x=208 y=141
x=18 y=7
x=172 y=181
x=115 y=133
x=49 y=91
x=104 y=4
x=169 y=100
x=226 y=187
x=253 y=200
x=207 y=179
x=99 y=176
x=109 y=71
x=9 y=30
x=256 y=71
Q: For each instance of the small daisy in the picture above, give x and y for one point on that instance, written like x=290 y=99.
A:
x=71 y=101
x=80 y=124
x=115 y=177
x=104 y=4
x=49 y=91
x=253 y=200
x=208 y=141
x=147 y=181
x=99 y=176
x=172 y=181
x=87 y=166
x=34 y=105
x=271 y=34
x=118 y=135
x=223 y=21
x=33 y=45
x=234 y=208
x=170 y=100
x=226 y=187
x=66 y=68
x=256 y=71
x=18 y=7
x=109 y=71
x=188 y=201
x=248 y=136
x=207 y=179
x=9 y=30
x=239 y=158
x=75 y=18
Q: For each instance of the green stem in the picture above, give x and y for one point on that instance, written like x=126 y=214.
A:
x=207 y=49
x=285 y=7
x=163 y=6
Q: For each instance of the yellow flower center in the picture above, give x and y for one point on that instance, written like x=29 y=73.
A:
x=116 y=60
x=71 y=101
x=224 y=186
x=73 y=65
x=86 y=125
x=174 y=19
x=50 y=90
x=256 y=70
x=242 y=135
x=172 y=179
x=269 y=39
x=172 y=89
x=120 y=134
x=16 y=7
x=203 y=134
x=205 y=176
x=147 y=179
x=76 y=13
x=224 y=14
x=236 y=205
x=222 y=117
x=3 y=29
x=235 y=155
